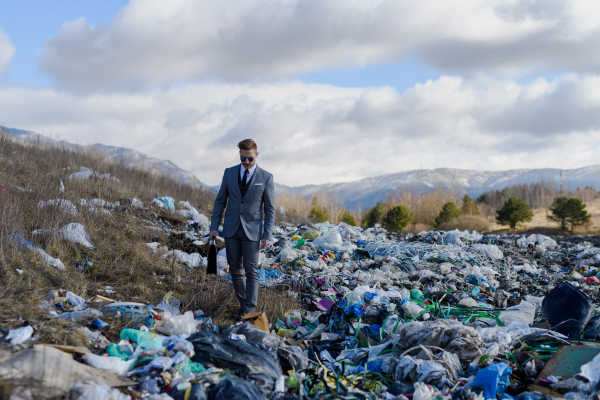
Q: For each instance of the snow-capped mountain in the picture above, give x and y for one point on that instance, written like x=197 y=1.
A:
x=367 y=192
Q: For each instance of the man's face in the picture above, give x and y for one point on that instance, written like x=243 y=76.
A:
x=249 y=154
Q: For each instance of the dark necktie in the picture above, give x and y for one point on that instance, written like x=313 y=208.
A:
x=245 y=179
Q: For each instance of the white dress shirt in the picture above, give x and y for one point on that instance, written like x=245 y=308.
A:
x=250 y=172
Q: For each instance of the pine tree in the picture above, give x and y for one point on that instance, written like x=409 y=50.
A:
x=469 y=207
x=318 y=213
x=397 y=218
x=576 y=213
x=373 y=216
x=558 y=211
x=348 y=218
x=448 y=213
x=513 y=211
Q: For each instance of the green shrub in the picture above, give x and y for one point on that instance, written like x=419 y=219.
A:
x=448 y=213
x=514 y=211
x=397 y=218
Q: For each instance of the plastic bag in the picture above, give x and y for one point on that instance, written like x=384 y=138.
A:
x=76 y=233
x=166 y=203
x=450 y=335
x=253 y=334
x=169 y=303
x=64 y=206
x=20 y=335
x=55 y=262
x=332 y=240
x=182 y=324
x=523 y=312
x=89 y=390
x=111 y=364
x=422 y=392
x=144 y=340
x=236 y=389
x=197 y=392
x=287 y=255
x=493 y=379
x=591 y=371
x=248 y=360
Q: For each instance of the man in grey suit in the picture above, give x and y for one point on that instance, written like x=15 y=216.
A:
x=246 y=190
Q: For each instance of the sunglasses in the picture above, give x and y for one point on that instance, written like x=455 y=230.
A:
x=249 y=158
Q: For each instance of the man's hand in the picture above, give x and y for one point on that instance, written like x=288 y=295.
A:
x=213 y=235
x=264 y=243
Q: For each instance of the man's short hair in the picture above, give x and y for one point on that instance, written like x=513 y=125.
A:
x=247 y=144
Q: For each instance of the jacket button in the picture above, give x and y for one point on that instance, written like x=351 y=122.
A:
x=241 y=213
x=242 y=202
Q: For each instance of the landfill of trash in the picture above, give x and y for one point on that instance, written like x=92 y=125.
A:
x=436 y=315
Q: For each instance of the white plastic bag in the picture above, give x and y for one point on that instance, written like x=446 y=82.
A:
x=64 y=206
x=179 y=325
x=55 y=262
x=89 y=390
x=111 y=364
x=524 y=312
x=76 y=233
x=422 y=392
x=20 y=335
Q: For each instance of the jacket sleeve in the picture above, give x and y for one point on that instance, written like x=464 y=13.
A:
x=269 y=208
x=219 y=206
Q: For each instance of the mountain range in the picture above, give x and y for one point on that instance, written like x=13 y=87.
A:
x=367 y=192
x=130 y=157
x=361 y=193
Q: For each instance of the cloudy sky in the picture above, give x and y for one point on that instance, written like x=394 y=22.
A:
x=331 y=91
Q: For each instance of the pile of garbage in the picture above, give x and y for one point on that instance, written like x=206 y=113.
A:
x=436 y=315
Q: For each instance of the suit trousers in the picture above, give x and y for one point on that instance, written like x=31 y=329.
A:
x=244 y=253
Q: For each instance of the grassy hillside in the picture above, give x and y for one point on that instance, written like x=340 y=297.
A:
x=30 y=174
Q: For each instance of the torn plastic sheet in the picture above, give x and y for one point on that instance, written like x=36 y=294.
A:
x=432 y=366
x=447 y=334
x=64 y=206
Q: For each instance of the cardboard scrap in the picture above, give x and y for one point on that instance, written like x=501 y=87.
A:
x=258 y=319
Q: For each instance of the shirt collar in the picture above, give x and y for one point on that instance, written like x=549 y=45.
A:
x=250 y=170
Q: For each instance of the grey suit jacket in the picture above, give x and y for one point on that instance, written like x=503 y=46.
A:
x=247 y=211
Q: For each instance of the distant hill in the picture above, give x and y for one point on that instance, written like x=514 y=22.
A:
x=130 y=157
x=367 y=192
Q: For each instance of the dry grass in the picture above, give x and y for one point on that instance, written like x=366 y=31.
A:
x=540 y=220
x=120 y=257
x=466 y=222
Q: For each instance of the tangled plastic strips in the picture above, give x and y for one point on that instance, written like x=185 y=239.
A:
x=398 y=250
x=425 y=251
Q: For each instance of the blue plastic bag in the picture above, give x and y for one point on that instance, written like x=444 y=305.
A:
x=493 y=379
x=164 y=202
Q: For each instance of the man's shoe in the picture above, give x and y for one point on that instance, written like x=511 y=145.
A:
x=236 y=317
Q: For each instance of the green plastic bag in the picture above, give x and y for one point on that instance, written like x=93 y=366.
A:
x=145 y=340
x=416 y=294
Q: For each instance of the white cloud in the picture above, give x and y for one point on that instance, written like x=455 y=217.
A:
x=319 y=133
x=153 y=42
x=7 y=50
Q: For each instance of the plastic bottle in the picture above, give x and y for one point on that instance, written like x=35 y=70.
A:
x=411 y=310
x=75 y=300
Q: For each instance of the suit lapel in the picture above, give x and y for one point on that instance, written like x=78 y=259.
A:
x=233 y=179
x=254 y=179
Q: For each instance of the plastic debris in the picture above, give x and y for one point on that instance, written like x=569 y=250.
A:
x=76 y=233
